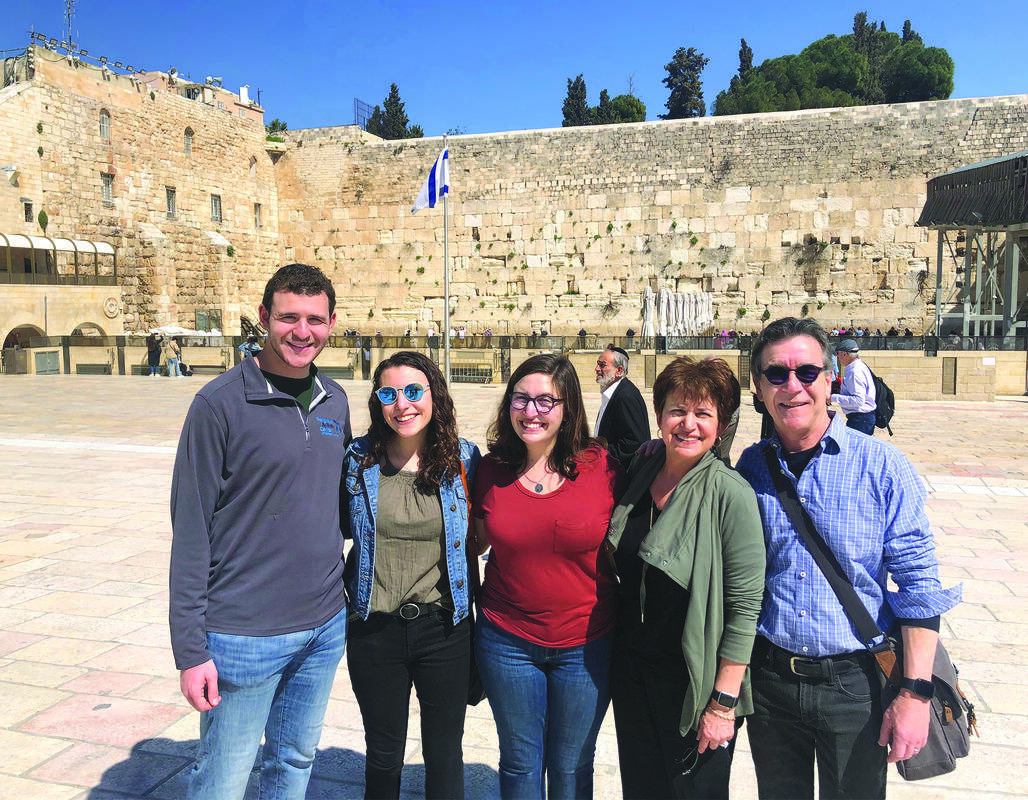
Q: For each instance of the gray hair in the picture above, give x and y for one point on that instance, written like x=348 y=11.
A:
x=620 y=360
x=786 y=328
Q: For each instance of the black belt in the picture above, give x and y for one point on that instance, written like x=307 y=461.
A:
x=822 y=668
x=411 y=611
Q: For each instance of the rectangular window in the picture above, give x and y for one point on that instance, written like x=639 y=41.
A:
x=209 y=320
x=257 y=215
x=107 y=181
x=28 y=213
x=169 y=201
x=105 y=125
x=215 y=208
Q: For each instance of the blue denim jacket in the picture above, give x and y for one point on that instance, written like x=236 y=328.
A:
x=361 y=498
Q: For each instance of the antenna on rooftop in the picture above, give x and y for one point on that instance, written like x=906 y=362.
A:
x=69 y=16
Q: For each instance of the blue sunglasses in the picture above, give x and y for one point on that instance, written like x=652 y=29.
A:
x=387 y=395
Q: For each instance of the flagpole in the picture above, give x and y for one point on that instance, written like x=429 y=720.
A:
x=446 y=281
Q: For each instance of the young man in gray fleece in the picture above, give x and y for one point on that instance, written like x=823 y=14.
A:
x=257 y=610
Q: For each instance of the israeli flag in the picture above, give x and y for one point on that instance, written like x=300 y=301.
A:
x=436 y=184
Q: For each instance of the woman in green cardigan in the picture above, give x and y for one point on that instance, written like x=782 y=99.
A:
x=687 y=545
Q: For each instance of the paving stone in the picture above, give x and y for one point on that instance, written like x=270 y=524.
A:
x=22 y=751
x=21 y=702
x=115 y=721
x=37 y=673
x=114 y=768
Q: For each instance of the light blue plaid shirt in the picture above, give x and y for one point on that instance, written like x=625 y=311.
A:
x=867 y=502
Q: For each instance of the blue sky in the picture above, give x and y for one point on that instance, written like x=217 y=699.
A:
x=494 y=66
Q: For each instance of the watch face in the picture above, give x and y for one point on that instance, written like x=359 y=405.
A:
x=920 y=687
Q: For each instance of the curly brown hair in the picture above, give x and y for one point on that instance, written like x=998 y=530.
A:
x=573 y=439
x=695 y=381
x=440 y=455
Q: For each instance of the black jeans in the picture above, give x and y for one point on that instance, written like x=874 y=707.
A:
x=654 y=758
x=834 y=720
x=386 y=655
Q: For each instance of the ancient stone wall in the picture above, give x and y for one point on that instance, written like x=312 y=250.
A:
x=799 y=212
x=169 y=266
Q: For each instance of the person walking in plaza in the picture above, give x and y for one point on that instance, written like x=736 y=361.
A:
x=623 y=419
x=689 y=552
x=856 y=395
x=257 y=605
x=407 y=576
x=816 y=687
x=542 y=500
x=174 y=356
x=153 y=353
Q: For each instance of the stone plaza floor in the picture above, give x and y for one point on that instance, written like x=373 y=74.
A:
x=89 y=698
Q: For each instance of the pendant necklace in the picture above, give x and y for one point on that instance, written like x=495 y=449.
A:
x=538 y=487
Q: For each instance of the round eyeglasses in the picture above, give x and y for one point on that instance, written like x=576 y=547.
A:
x=805 y=373
x=544 y=403
x=387 y=395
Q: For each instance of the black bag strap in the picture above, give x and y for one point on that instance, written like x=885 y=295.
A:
x=823 y=556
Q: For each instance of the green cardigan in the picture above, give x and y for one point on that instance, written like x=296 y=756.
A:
x=709 y=540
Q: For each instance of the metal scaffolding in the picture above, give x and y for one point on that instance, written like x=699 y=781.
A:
x=981 y=215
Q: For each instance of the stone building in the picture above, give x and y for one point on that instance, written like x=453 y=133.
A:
x=808 y=212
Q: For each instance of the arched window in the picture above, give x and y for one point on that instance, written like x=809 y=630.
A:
x=253 y=166
x=187 y=141
x=105 y=124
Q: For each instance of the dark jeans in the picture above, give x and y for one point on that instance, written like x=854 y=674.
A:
x=653 y=756
x=386 y=655
x=834 y=721
x=863 y=421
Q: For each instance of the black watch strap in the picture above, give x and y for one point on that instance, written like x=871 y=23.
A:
x=724 y=699
x=919 y=686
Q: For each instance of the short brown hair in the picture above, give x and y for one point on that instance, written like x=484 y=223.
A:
x=299 y=279
x=695 y=381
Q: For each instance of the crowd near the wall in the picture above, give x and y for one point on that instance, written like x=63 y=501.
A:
x=644 y=574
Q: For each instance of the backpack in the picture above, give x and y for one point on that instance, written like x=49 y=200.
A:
x=885 y=403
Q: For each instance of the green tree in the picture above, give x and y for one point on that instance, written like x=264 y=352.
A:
x=683 y=80
x=909 y=34
x=914 y=72
x=628 y=108
x=745 y=58
x=576 y=110
x=869 y=65
x=603 y=114
x=275 y=126
x=390 y=119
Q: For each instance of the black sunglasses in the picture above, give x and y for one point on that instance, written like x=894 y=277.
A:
x=412 y=391
x=805 y=373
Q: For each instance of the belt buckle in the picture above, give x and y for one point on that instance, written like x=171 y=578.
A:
x=410 y=611
x=792 y=666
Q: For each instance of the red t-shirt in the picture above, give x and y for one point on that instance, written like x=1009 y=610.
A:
x=547 y=579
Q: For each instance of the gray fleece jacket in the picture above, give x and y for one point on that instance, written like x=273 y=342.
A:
x=257 y=548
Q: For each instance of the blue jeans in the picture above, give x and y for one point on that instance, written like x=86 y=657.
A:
x=275 y=685
x=173 y=368
x=548 y=704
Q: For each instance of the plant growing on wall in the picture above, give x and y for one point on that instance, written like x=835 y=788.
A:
x=43 y=220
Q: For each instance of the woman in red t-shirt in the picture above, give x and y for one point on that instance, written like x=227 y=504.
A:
x=542 y=500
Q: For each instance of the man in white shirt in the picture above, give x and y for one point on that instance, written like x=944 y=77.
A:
x=856 y=395
x=623 y=420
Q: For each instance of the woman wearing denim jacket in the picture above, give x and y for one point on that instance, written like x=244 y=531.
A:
x=407 y=575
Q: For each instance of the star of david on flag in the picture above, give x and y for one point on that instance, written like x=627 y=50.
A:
x=436 y=184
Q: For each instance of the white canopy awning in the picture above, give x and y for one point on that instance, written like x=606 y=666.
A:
x=63 y=245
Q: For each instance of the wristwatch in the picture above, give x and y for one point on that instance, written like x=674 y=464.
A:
x=724 y=699
x=922 y=688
